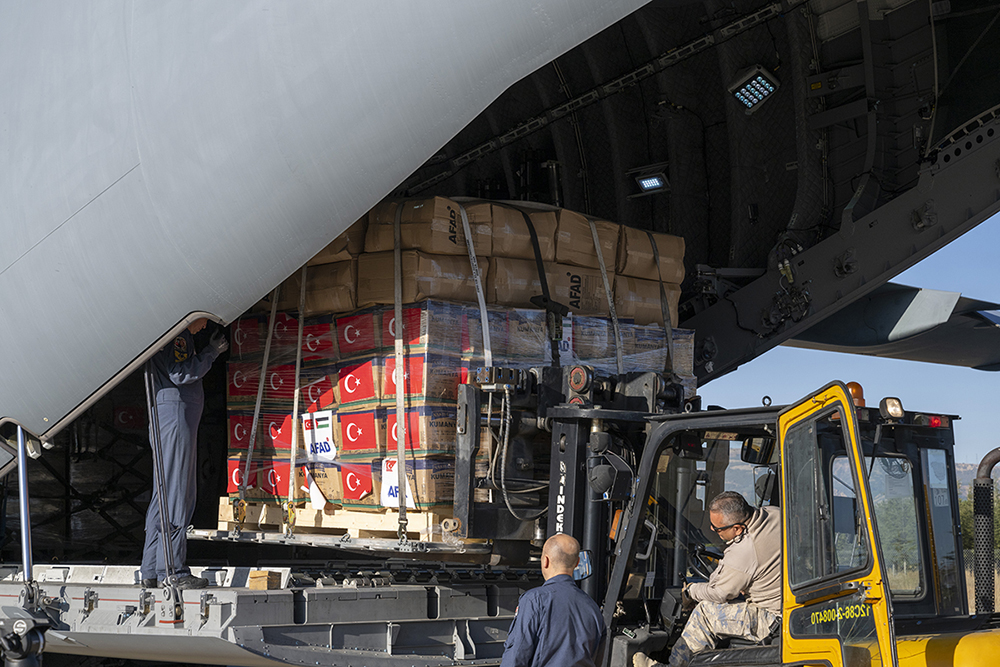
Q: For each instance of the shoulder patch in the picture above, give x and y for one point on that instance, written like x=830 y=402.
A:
x=180 y=349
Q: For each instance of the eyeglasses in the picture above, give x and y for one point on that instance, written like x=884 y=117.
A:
x=722 y=528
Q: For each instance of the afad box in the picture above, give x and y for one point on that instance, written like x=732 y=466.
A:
x=327 y=478
x=428 y=376
x=359 y=382
x=320 y=432
x=431 y=482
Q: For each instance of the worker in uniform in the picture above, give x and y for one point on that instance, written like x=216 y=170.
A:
x=750 y=569
x=180 y=398
x=556 y=624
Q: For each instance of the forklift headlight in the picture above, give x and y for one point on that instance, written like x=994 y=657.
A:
x=891 y=408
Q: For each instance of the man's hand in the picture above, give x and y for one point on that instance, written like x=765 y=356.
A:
x=640 y=659
x=218 y=342
x=687 y=602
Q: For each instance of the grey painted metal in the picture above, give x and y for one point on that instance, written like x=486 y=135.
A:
x=24 y=504
x=956 y=191
x=165 y=158
x=361 y=620
x=984 y=525
x=901 y=322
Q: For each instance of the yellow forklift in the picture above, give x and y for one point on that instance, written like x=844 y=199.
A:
x=873 y=568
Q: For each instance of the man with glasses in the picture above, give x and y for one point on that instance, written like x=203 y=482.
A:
x=742 y=598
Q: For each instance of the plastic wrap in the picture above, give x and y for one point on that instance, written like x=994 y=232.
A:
x=425 y=276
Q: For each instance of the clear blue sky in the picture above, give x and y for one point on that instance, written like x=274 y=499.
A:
x=968 y=265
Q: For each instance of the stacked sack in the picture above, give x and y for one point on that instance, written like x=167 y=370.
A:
x=348 y=441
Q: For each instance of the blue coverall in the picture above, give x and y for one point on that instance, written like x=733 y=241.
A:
x=557 y=625
x=180 y=399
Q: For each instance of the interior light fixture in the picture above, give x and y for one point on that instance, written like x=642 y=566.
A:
x=650 y=179
x=754 y=86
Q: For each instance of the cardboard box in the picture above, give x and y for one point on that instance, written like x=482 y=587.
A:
x=431 y=225
x=514 y=281
x=345 y=247
x=241 y=387
x=362 y=432
x=431 y=482
x=330 y=288
x=272 y=476
x=512 y=239
x=359 y=381
x=357 y=333
x=327 y=478
x=425 y=276
x=575 y=242
x=319 y=388
x=247 y=336
x=636 y=258
x=428 y=325
x=321 y=436
x=639 y=300
x=430 y=429
x=472 y=342
x=263 y=580
x=429 y=376
x=528 y=338
x=359 y=490
x=236 y=465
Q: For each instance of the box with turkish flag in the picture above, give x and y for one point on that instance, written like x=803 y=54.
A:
x=236 y=467
x=357 y=480
x=430 y=429
x=430 y=482
x=273 y=474
x=241 y=387
x=362 y=432
x=428 y=325
x=359 y=382
x=357 y=333
x=427 y=376
x=319 y=387
x=247 y=336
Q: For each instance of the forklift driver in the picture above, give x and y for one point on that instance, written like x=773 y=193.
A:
x=750 y=567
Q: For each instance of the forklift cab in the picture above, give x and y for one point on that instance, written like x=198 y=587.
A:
x=869 y=516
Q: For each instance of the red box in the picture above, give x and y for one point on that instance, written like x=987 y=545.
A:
x=359 y=380
x=320 y=394
x=242 y=382
x=356 y=477
x=247 y=335
x=356 y=334
x=236 y=465
x=362 y=432
x=428 y=375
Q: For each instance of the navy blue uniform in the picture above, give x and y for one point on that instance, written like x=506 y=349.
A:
x=180 y=399
x=557 y=625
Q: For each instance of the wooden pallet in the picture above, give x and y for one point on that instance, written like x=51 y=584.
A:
x=424 y=525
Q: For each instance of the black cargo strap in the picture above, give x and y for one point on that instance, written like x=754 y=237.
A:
x=554 y=311
x=664 y=304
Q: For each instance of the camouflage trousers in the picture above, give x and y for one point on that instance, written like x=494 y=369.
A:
x=711 y=621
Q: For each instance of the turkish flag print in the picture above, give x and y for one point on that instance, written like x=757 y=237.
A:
x=242 y=379
x=413 y=376
x=317 y=340
x=357 y=381
x=412 y=436
x=319 y=394
x=357 y=479
x=239 y=431
x=356 y=333
x=357 y=431
x=245 y=335
x=236 y=465
x=411 y=327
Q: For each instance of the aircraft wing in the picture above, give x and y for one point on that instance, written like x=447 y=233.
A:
x=901 y=322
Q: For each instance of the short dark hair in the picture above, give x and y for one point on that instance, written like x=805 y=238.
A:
x=731 y=505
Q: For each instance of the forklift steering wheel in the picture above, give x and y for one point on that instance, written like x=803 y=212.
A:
x=701 y=562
